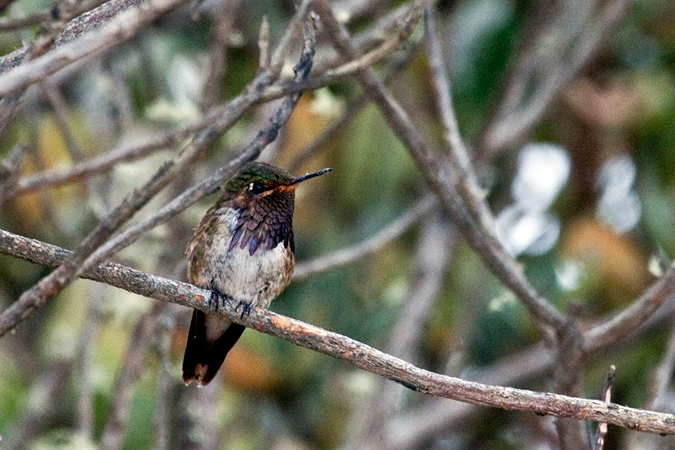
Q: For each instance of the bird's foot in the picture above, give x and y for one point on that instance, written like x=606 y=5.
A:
x=245 y=308
x=218 y=299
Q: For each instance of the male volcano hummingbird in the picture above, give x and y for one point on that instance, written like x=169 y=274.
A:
x=243 y=251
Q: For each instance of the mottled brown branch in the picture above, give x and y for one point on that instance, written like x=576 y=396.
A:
x=17 y=23
x=410 y=429
x=75 y=28
x=349 y=350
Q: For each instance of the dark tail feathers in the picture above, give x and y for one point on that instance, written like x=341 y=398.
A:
x=202 y=357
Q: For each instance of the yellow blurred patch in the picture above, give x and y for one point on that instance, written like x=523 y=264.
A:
x=616 y=268
x=53 y=152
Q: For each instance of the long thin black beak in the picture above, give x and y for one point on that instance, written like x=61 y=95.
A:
x=309 y=175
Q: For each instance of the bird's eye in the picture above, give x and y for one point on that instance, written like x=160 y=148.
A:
x=256 y=187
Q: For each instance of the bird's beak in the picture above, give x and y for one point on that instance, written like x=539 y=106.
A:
x=297 y=180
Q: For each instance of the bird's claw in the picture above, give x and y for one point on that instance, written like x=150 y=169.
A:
x=218 y=299
x=245 y=308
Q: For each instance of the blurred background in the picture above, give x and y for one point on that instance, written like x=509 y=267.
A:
x=584 y=198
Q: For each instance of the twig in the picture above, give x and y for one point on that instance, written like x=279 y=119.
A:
x=10 y=168
x=134 y=363
x=17 y=23
x=632 y=317
x=351 y=111
x=350 y=254
x=9 y=108
x=264 y=44
x=467 y=181
x=602 y=426
x=217 y=63
x=432 y=255
x=661 y=377
x=74 y=29
x=116 y=31
x=60 y=109
x=519 y=108
x=349 y=350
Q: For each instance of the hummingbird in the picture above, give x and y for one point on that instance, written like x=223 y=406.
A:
x=243 y=251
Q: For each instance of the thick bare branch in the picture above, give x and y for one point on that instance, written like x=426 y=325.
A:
x=349 y=350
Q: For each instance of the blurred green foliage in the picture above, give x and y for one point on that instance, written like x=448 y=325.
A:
x=293 y=393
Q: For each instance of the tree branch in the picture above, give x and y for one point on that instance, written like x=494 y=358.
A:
x=346 y=349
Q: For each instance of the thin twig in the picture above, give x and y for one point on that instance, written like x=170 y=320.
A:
x=60 y=109
x=602 y=426
x=632 y=317
x=393 y=69
x=135 y=361
x=10 y=168
x=467 y=181
x=661 y=377
x=350 y=254
x=519 y=108
x=264 y=44
x=17 y=23
x=216 y=66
